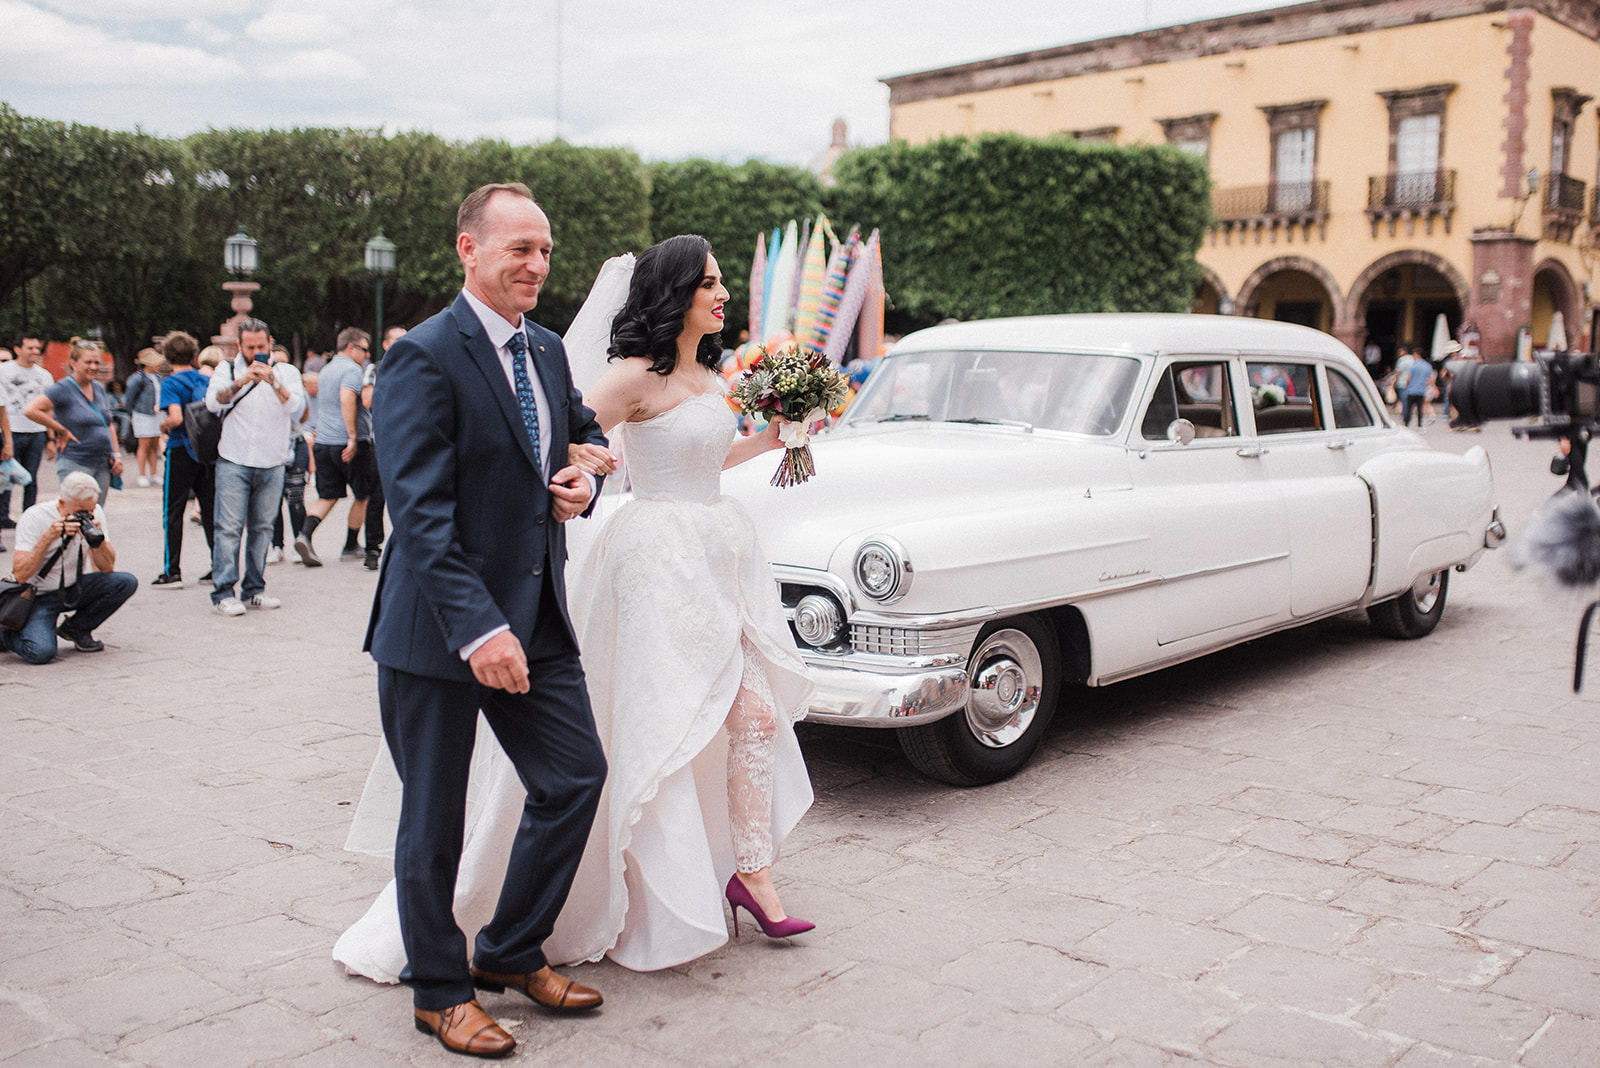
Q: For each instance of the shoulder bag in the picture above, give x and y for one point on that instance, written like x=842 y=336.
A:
x=16 y=598
x=204 y=427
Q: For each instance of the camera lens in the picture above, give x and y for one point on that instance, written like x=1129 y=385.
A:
x=1495 y=391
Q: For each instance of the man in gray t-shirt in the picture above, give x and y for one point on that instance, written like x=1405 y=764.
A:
x=343 y=449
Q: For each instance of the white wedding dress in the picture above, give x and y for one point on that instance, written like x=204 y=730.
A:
x=678 y=619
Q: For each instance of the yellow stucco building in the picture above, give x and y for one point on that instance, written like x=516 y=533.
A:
x=1375 y=163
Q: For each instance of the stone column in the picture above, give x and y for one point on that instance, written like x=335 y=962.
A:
x=1502 y=291
x=228 y=339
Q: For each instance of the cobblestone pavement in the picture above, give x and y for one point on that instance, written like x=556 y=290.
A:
x=1323 y=847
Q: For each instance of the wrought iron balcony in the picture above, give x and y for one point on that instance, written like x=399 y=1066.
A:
x=1411 y=195
x=1562 y=198
x=1267 y=208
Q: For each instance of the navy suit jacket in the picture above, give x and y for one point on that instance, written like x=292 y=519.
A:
x=473 y=534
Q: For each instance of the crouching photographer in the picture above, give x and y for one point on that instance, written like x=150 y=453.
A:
x=63 y=552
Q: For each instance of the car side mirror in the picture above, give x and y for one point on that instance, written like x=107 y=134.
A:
x=1180 y=431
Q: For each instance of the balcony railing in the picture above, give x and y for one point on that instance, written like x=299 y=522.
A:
x=1269 y=208
x=1563 y=198
x=1411 y=195
x=1416 y=189
x=1278 y=198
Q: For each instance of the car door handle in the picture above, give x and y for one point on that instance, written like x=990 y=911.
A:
x=1251 y=452
x=1340 y=444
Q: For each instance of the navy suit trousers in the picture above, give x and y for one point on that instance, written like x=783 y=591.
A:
x=549 y=735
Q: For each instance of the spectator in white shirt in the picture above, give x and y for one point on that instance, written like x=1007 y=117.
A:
x=259 y=401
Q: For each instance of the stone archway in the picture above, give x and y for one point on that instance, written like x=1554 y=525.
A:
x=1361 y=288
x=1554 y=290
x=1210 y=294
x=1248 y=298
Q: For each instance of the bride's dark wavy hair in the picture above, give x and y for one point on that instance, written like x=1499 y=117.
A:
x=665 y=278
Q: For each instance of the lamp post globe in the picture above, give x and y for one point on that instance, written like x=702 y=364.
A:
x=241 y=256
x=379 y=257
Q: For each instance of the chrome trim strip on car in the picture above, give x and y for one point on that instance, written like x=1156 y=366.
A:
x=1223 y=568
x=788 y=574
x=1219 y=645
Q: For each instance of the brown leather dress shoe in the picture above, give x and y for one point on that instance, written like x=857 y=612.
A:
x=466 y=1028
x=554 y=992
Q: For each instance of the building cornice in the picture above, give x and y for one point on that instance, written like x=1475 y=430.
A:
x=1234 y=33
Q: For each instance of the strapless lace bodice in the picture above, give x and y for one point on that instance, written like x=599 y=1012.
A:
x=678 y=455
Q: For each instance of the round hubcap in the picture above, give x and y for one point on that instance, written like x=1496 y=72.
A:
x=1425 y=592
x=1006 y=680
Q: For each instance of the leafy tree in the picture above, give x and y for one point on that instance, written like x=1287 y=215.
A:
x=729 y=205
x=1006 y=225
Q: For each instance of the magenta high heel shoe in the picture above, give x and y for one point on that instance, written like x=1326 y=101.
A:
x=739 y=896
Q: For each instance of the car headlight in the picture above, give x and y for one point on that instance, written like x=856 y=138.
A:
x=883 y=570
x=818 y=620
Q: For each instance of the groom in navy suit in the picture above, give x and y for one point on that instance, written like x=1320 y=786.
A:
x=474 y=416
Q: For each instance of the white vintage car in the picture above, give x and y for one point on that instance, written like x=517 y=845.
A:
x=1014 y=506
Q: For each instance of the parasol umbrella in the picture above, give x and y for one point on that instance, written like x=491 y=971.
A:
x=781 y=291
x=1556 y=339
x=812 y=270
x=774 y=247
x=871 y=336
x=844 y=254
x=758 y=282
x=1441 y=339
x=855 y=294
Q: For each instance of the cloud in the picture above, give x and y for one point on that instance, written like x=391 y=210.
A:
x=314 y=65
x=287 y=26
x=207 y=33
x=146 y=10
x=41 y=47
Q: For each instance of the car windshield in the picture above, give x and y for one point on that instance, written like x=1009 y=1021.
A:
x=1078 y=393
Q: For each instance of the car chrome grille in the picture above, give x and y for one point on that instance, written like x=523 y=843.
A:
x=903 y=641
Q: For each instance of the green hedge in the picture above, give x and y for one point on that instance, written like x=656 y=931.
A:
x=1007 y=225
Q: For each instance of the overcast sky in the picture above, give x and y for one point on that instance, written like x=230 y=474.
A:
x=728 y=80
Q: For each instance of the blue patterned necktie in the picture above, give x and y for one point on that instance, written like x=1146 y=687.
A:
x=519 y=373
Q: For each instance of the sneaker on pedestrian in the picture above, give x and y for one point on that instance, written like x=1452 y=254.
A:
x=350 y=552
x=371 y=562
x=84 y=643
x=263 y=601
x=275 y=555
x=168 y=581
x=7 y=523
x=230 y=606
x=206 y=577
x=144 y=482
x=308 y=555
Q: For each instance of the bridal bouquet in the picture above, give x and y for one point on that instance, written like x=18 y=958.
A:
x=795 y=384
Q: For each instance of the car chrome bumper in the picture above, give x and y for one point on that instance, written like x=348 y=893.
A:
x=1495 y=533
x=856 y=694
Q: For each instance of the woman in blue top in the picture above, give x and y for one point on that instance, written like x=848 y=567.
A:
x=76 y=410
x=183 y=472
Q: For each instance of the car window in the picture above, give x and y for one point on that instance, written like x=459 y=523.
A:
x=1080 y=393
x=1348 y=408
x=1198 y=391
x=1284 y=396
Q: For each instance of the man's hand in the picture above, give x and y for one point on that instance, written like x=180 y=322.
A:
x=500 y=663
x=116 y=465
x=348 y=453
x=569 y=493
x=256 y=372
x=595 y=459
x=5 y=451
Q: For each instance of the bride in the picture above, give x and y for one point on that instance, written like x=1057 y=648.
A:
x=693 y=676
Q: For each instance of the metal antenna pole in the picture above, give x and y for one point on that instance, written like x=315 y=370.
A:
x=558 y=70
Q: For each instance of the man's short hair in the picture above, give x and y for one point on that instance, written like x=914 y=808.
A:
x=16 y=342
x=469 y=218
x=350 y=335
x=180 y=348
x=77 y=486
x=254 y=326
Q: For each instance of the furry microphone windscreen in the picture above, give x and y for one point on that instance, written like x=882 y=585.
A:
x=1563 y=538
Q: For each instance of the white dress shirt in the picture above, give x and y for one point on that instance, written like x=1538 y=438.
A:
x=257 y=428
x=500 y=333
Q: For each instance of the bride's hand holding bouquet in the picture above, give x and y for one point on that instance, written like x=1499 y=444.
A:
x=792 y=388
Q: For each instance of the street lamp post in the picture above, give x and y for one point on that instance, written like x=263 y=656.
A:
x=379 y=259
x=241 y=256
